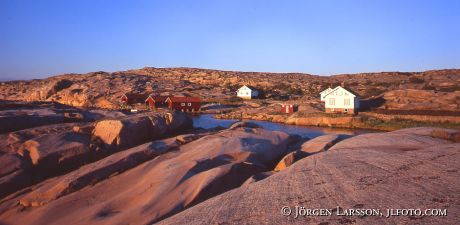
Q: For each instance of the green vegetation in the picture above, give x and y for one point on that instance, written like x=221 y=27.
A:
x=288 y=89
x=399 y=123
x=321 y=114
x=229 y=101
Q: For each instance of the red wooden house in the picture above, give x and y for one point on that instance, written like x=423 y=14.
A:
x=153 y=102
x=185 y=104
x=133 y=98
x=288 y=108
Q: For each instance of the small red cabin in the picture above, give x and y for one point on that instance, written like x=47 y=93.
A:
x=156 y=101
x=288 y=108
x=133 y=98
x=185 y=104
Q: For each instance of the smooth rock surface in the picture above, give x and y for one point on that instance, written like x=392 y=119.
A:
x=403 y=169
x=315 y=145
x=160 y=187
x=97 y=171
x=135 y=130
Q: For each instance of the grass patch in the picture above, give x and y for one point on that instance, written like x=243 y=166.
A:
x=399 y=123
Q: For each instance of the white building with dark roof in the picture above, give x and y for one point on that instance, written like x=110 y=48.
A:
x=341 y=100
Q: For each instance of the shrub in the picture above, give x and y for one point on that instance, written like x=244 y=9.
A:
x=373 y=92
x=416 y=80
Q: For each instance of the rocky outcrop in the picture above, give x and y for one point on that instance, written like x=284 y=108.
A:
x=97 y=171
x=16 y=116
x=154 y=189
x=315 y=145
x=42 y=157
x=328 y=121
x=411 y=99
x=52 y=150
x=32 y=155
x=132 y=131
x=93 y=173
x=102 y=89
x=244 y=124
x=19 y=122
x=322 y=143
x=13 y=173
x=402 y=169
x=290 y=159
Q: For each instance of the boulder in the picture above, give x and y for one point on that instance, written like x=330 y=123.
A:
x=55 y=149
x=135 y=130
x=42 y=157
x=290 y=159
x=11 y=162
x=322 y=143
x=315 y=145
x=12 y=173
x=244 y=124
x=124 y=133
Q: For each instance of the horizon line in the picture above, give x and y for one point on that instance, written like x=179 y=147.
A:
x=6 y=79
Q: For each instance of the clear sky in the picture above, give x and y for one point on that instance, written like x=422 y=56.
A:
x=39 y=38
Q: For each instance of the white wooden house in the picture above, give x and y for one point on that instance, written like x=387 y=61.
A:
x=324 y=93
x=341 y=100
x=247 y=92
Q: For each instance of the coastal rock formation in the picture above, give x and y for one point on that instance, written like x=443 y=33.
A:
x=343 y=121
x=31 y=155
x=403 y=169
x=44 y=156
x=97 y=171
x=54 y=149
x=315 y=145
x=103 y=89
x=154 y=189
x=132 y=131
x=322 y=143
x=16 y=116
x=422 y=100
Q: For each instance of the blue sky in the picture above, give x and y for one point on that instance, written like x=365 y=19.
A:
x=39 y=38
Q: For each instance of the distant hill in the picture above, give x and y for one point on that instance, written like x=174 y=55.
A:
x=3 y=79
x=102 y=89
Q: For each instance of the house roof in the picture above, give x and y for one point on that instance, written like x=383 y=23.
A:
x=326 y=90
x=184 y=99
x=157 y=98
x=346 y=89
x=133 y=96
x=351 y=91
x=249 y=86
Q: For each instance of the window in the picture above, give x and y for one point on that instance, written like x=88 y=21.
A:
x=332 y=101
x=182 y=104
x=346 y=101
x=189 y=104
